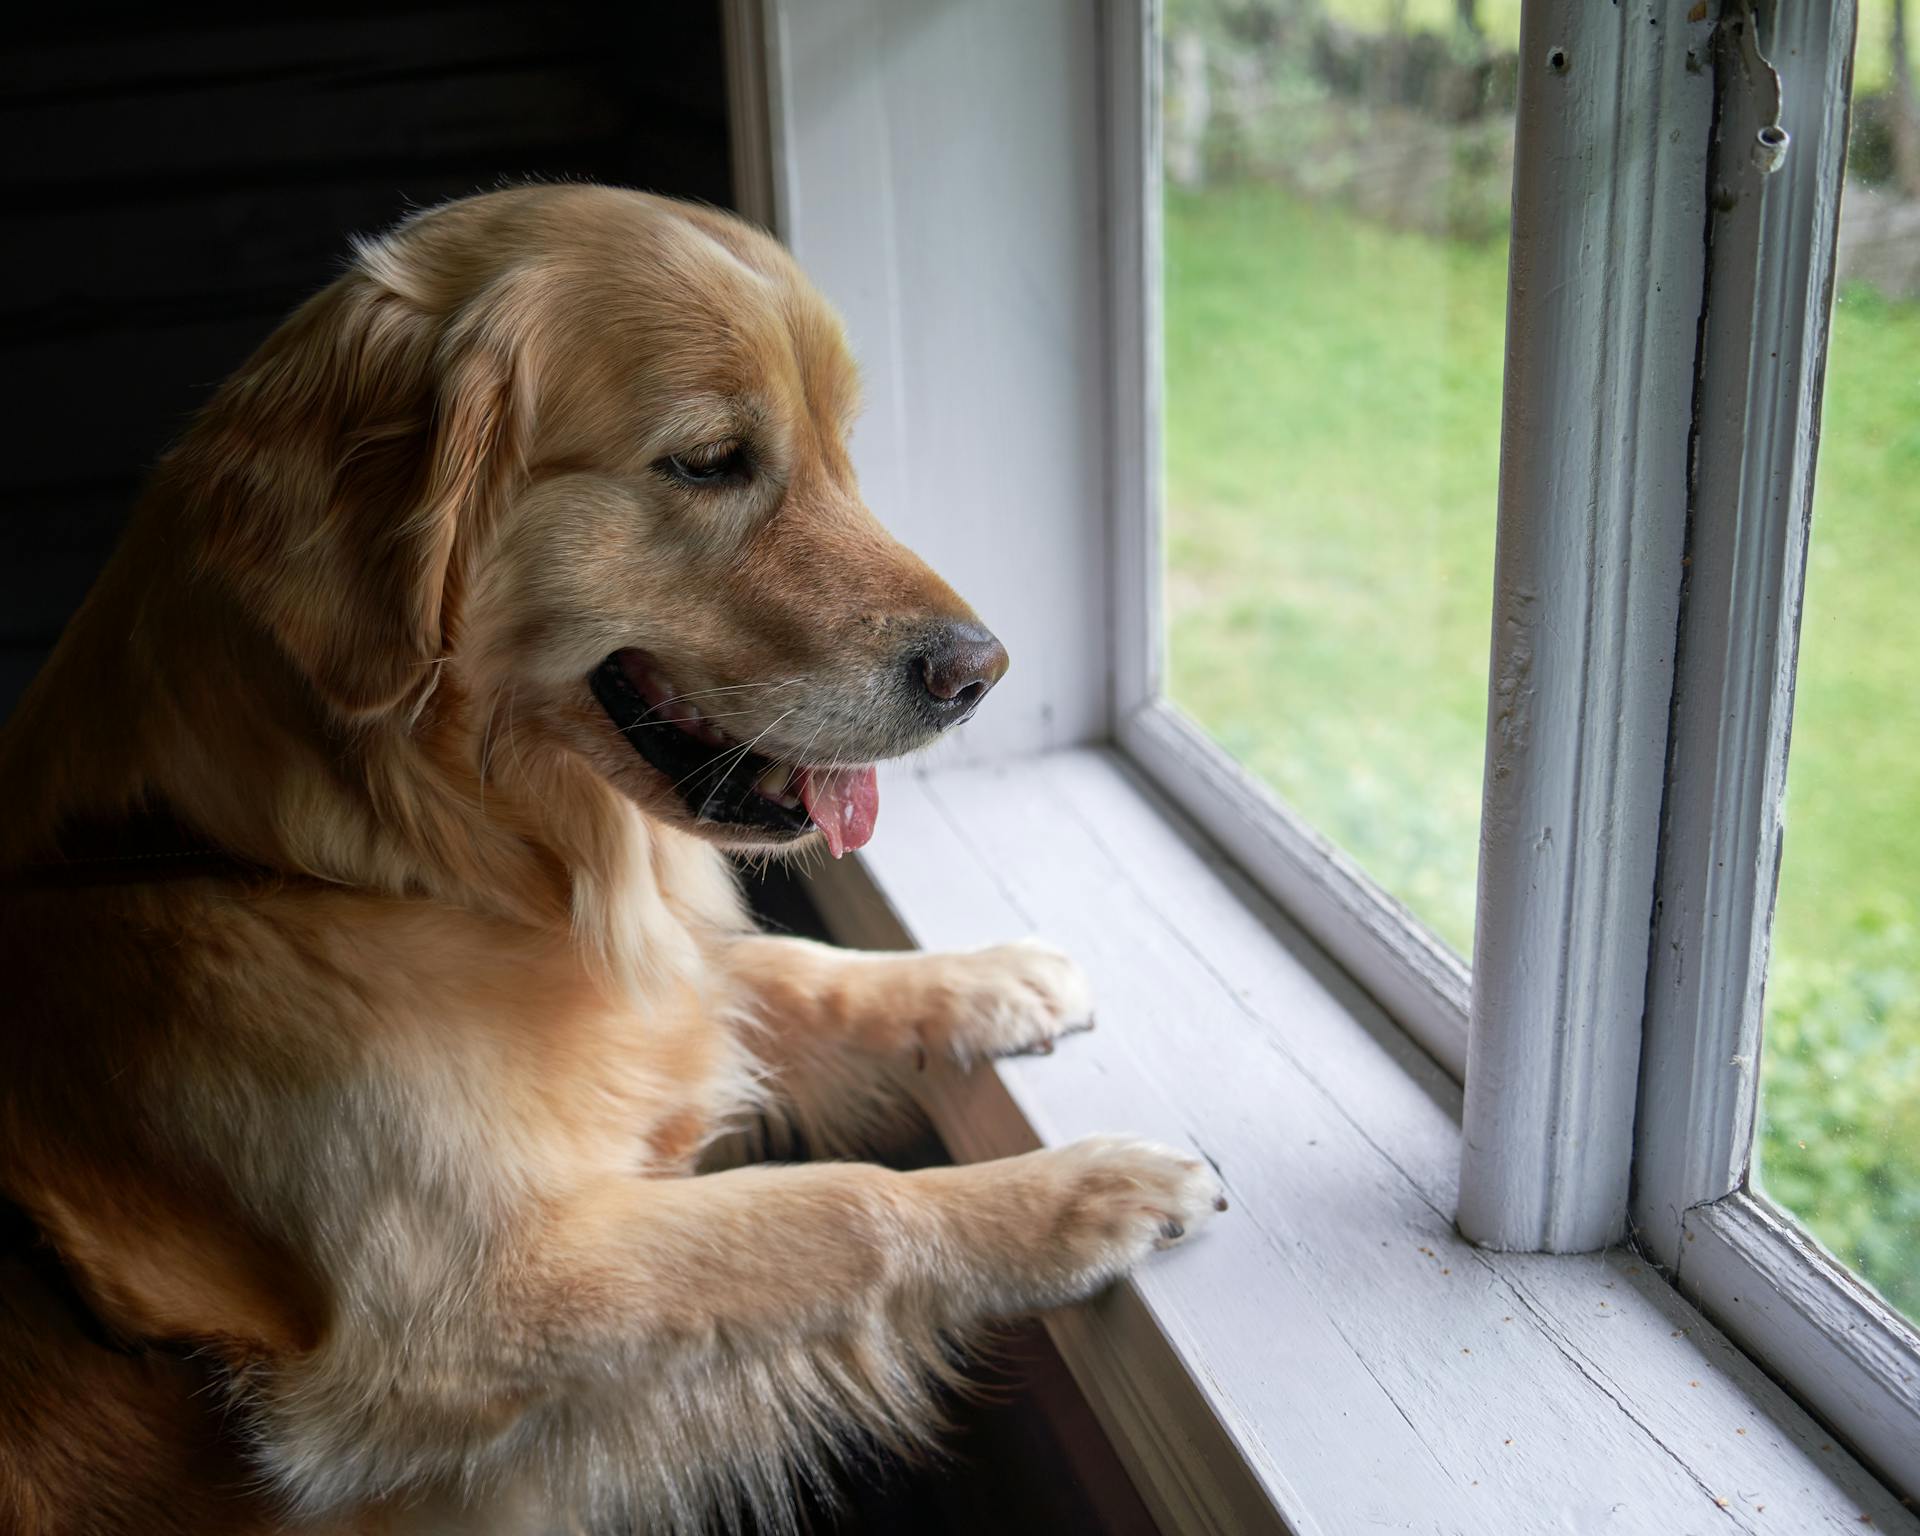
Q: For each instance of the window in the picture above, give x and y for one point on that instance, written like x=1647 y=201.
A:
x=1335 y=276
x=1604 y=460
x=1329 y=457
x=1839 y=1142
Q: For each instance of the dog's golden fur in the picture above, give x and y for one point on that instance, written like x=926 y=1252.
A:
x=403 y=1138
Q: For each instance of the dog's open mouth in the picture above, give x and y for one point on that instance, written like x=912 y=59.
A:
x=723 y=781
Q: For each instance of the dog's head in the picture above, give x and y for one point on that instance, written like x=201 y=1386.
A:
x=576 y=460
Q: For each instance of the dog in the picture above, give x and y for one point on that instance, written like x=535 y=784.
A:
x=379 y=991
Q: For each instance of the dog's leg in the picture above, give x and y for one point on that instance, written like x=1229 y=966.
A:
x=666 y=1341
x=965 y=1004
x=836 y=1025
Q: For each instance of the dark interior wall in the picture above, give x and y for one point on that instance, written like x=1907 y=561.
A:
x=173 y=184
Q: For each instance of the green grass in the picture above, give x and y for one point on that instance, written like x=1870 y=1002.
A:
x=1873 y=50
x=1840 y=1138
x=1332 y=456
x=1332 y=439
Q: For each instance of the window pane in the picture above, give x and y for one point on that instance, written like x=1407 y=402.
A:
x=1337 y=186
x=1840 y=1081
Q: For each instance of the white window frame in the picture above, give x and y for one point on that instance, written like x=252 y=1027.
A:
x=1588 y=1100
x=1578 y=768
x=1757 y=412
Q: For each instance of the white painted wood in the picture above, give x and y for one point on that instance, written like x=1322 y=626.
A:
x=1847 y=1354
x=1132 y=117
x=1349 y=1363
x=1763 y=349
x=750 y=140
x=939 y=176
x=1604 y=297
x=1410 y=972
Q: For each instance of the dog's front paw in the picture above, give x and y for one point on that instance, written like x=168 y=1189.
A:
x=1010 y=999
x=1049 y=1228
x=1116 y=1199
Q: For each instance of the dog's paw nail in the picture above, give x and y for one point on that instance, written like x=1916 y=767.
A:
x=1043 y=1048
x=1172 y=1231
x=1219 y=1202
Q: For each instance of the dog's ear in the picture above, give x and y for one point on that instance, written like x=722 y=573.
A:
x=343 y=471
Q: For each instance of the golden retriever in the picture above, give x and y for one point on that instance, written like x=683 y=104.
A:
x=359 y=1133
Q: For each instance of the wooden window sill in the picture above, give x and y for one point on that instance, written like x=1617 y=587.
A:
x=1330 y=1355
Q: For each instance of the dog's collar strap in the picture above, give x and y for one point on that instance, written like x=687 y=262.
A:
x=142 y=848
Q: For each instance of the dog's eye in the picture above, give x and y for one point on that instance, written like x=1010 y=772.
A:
x=710 y=464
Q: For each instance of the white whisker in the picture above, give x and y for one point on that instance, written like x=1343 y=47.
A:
x=738 y=754
x=701 y=693
x=655 y=724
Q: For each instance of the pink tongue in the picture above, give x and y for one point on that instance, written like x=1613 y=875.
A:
x=844 y=804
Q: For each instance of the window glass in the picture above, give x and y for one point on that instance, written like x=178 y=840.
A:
x=1337 y=184
x=1839 y=1142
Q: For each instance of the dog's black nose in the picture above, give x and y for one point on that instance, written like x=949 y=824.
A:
x=957 y=669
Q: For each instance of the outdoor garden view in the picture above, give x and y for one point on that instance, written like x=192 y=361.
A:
x=1338 y=178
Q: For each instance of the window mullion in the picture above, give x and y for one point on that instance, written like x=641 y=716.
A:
x=1772 y=252
x=1763 y=347
x=1605 y=283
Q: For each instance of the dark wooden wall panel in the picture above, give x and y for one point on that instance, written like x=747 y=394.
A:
x=174 y=184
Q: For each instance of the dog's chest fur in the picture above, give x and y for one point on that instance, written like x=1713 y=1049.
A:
x=560 y=1073
x=383 y=1039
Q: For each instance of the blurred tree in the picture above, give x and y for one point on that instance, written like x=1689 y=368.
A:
x=1905 y=107
x=1189 y=106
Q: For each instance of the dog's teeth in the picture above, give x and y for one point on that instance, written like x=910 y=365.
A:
x=773 y=783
